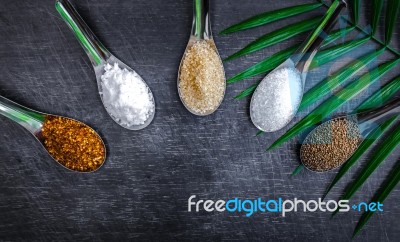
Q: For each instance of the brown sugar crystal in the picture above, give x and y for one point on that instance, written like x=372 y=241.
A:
x=73 y=144
x=202 y=78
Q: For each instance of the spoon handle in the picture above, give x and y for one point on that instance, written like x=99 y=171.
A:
x=370 y=119
x=94 y=49
x=201 y=27
x=309 y=48
x=29 y=119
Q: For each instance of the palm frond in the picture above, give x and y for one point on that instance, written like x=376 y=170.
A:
x=276 y=36
x=356 y=10
x=381 y=96
x=327 y=55
x=269 y=17
x=392 y=11
x=321 y=58
x=276 y=59
x=331 y=83
x=388 y=186
x=265 y=65
x=377 y=9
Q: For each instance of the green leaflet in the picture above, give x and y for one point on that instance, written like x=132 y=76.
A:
x=276 y=59
x=364 y=146
x=381 y=96
x=356 y=10
x=268 y=17
x=336 y=34
x=390 y=183
x=248 y=91
x=265 y=65
x=329 y=84
x=392 y=11
x=332 y=53
x=377 y=8
x=336 y=101
x=383 y=151
x=377 y=99
x=297 y=170
x=276 y=37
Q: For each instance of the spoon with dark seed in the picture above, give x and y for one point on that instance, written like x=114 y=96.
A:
x=332 y=143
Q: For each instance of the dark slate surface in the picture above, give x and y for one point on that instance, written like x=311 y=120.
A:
x=141 y=192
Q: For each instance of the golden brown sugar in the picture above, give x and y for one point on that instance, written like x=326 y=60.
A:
x=202 y=78
x=73 y=144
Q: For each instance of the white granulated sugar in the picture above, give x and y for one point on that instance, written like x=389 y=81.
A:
x=276 y=99
x=125 y=96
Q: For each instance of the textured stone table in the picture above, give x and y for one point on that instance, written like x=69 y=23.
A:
x=142 y=190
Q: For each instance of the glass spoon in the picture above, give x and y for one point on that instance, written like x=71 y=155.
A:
x=201 y=34
x=99 y=57
x=277 y=98
x=35 y=123
x=357 y=126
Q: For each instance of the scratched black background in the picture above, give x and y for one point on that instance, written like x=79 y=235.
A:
x=141 y=192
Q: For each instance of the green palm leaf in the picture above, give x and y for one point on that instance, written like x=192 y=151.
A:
x=277 y=36
x=377 y=6
x=356 y=10
x=298 y=169
x=390 y=183
x=265 y=65
x=336 y=34
x=248 y=91
x=321 y=58
x=336 y=101
x=276 y=59
x=381 y=96
x=392 y=12
x=332 y=53
x=382 y=152
x=269 y=17
x=377 y=99
x=332 y=82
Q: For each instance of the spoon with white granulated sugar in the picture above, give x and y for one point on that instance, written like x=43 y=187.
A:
x=126 y=97
x=277 y=98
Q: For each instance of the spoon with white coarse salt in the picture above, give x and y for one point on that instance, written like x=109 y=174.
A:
x=277 y=98
x=126 y=97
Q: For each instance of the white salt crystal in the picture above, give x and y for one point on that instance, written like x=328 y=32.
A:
x=125 y=96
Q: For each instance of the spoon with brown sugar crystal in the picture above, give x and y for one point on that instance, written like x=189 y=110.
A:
x=73 y=144
x=201 y=75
